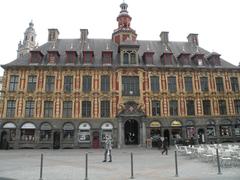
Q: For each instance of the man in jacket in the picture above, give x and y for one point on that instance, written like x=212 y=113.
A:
x=165 y=146
x=108 y=149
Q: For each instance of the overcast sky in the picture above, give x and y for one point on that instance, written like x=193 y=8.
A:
x=216 y=21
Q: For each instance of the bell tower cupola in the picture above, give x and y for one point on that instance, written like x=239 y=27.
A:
x=29 y=41
x=124 y=31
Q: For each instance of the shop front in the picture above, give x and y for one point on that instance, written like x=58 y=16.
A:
x=68 y=135
x=225 y=131
x=190 y=132
x=176 y=132
x=154 y=133
x=106 y=130
x=237 y=130
x=84 y=135
x=211 y=131
x=8 y=136
x=45 y=138
x=28 y=136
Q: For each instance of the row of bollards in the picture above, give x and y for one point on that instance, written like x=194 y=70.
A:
x=86 y=167
x=132 y=176
x=41 y=167
x=218 y=163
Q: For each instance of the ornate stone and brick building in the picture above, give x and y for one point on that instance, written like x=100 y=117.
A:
x=70 y=93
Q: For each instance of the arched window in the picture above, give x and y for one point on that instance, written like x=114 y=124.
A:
x=125 y=58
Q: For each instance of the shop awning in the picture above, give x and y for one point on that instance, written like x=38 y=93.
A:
x=107 y=126
x=28 y=126
x=46 y=127
x=84 y=126
x=68 y=127
x=9 y=126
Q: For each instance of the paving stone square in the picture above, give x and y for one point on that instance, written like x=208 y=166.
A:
x=69 y=164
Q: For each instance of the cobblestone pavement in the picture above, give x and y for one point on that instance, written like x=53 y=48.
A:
x=69 y=164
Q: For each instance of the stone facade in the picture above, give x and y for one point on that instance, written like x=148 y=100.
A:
x=72 y=93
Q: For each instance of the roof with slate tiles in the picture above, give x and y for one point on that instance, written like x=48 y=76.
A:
x=100 y=45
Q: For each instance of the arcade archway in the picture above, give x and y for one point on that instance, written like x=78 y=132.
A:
x=131 y=132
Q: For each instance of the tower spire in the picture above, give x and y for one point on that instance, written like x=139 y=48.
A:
x=29 y=41
x=124 y=30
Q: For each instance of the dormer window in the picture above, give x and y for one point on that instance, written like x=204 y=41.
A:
x=53 y=57
x=125 y=58
x=167 y=59
x=200 y=62
x=36 y=57
x=198 y=59
x=148 y=58
x=71 y=57
x=214 y=59
x=88 y=57
x=129 y=57
x=107 y=57
x=184 y=59
x=133 y=58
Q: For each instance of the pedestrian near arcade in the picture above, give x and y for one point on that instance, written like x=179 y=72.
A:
x=165 y=146
x=108 y=149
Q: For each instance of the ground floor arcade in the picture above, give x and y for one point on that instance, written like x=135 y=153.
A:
x=124 y=131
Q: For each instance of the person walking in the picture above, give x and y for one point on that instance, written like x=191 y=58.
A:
x=165 y=146
x=108 y=149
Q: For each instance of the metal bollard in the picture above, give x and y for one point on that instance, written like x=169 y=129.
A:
x=218 y=163
x=41 y=167
x=132 y=177
x=86 y=167
x=176 y=164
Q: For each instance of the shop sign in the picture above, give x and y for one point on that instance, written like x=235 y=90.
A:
x=176 y=123
x=155 y=124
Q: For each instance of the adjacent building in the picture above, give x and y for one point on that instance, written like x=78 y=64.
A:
x=71 y=93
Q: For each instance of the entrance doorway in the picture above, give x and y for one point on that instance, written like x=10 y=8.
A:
x=131 y=132
x=56 y=140
x=95 y=140
x=155 y=134
x=4 y=142
x=166 y=135
x=201 y=136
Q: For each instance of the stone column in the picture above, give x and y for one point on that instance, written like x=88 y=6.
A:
x=143 y=134
x=218 y=134
x=119 y=133
x=18 y=138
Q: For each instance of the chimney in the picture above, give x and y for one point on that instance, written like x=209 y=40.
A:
x=84 y=34
x=53 y=34
x=164 y=36
x=193 y=38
